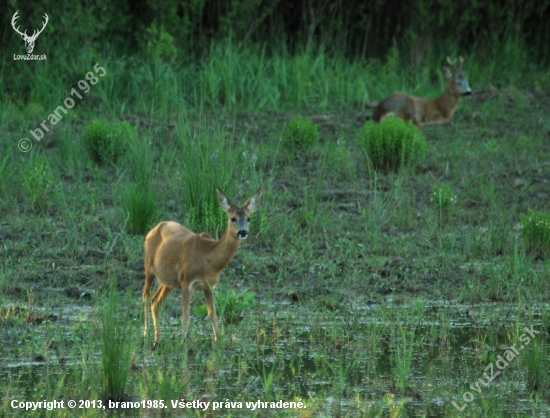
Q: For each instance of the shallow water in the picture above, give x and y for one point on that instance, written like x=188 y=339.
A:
x=327 y=356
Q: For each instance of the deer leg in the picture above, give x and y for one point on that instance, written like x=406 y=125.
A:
x=418 y=122
x=145 y=299
x=211 y=308
x=186 y=294
x=159 y=296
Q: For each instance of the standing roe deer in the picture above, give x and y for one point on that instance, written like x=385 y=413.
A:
x=422 y=111
x=178 y=258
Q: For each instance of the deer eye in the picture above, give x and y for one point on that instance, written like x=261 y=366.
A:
x=233 y=219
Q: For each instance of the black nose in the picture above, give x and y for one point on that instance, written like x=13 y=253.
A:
x=243 y=233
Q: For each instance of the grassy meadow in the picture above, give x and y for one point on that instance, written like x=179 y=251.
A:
x=359 y=293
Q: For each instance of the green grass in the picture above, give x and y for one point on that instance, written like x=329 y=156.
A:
x=365 y=305
x=535 y=230
x=402 y=357
x=116 y=348
x=140 y=205
x=38 y=181
x=231 y=306
x=206 y=158
x=443 y=200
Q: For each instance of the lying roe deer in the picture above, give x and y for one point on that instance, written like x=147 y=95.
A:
x=178 y=258
x=422 y=111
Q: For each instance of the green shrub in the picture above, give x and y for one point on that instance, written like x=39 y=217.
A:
x=300 y=134
x=391 y=144
x=38 y=180
x=160 y=44
x=140 y=206
x=535 y=229
x=443 y=200
x=230 y=305
x=107 y=141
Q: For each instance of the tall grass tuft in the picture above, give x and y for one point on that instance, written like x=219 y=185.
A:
x=70 y=151
x=537 y=365
x=164 y=381
x=266 y=376
x=344 y=367
x=310 y=209
x=391 y=144
x=402 y=357
x=38 y=181
x=139 y=196
x=443 y=200
x=140 y=205
x=535 y=230
x=207 y=159
x=115 y=347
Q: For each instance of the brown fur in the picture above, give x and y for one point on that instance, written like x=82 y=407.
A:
x=179 y=258
x=422 y=111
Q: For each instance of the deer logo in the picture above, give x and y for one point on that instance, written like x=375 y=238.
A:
x=29 y=40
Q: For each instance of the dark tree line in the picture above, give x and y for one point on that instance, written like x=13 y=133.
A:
x=354 y=28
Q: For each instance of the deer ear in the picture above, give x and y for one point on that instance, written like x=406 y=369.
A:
x=254 y=202
x=451 y=62
x=447 y=72
x=223 y=200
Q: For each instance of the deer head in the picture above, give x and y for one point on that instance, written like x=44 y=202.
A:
x=29 y=40
x=457 y=81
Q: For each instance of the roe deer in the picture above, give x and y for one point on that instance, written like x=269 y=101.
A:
x=422 y=111
x=178 y=258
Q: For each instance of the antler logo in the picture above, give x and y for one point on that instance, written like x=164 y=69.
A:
x=29 y=40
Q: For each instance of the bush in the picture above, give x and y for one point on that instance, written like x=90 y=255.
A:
x=160 y=44
x=443 y=200
x=391 y=144
x=300 y=134
x=38 y=180
x=106 y=141
x=535 y=229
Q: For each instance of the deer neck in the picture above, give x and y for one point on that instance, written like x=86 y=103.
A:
x=447 y=103
x=224 y=249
